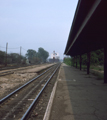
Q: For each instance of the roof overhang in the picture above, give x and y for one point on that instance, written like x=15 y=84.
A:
x=89 y=27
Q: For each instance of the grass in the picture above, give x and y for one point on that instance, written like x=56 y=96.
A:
x=84 y=67
x=95 y=70
x=99 y=75
x=99 y=68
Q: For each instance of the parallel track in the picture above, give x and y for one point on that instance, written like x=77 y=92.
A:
x=16 y=67
x=11 y=71
x=31 y=89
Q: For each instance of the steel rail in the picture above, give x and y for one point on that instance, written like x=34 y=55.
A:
x=13 y=67
x=6 y=73
x=17 y=69
x=9 y=68
x=6 y=97
x=29 y=109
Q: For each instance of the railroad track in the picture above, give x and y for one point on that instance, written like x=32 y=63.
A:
x=18 y=67
x=11 y=71
x=19 y=104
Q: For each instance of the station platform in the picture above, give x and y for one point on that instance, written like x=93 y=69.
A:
x=78 y=96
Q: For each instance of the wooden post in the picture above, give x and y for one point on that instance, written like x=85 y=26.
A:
x=76 y=61
x=105 y=64
x=80 y=61
x=88 y=63
x=20 y=54
x=73 y=61
x=6 y=55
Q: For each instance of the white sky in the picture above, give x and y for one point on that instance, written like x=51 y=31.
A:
x=36 y=23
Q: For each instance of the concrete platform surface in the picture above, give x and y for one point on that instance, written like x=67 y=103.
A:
x=79 y=96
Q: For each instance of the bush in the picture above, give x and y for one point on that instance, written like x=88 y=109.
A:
x=67 y=60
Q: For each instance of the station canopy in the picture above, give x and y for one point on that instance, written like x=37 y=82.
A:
x=89 y=28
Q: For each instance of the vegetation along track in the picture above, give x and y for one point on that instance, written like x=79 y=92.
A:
x=15 y=105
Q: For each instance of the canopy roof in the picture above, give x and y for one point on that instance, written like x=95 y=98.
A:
x=89 y=27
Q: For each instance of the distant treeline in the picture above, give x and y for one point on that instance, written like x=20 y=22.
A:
x=37 y=57
x=31 y=56
x=96 y=58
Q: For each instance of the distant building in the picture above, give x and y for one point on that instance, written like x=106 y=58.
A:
x=54 y=57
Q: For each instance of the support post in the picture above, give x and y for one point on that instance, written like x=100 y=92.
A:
x=71 y=61
x=105 y=64
x=80 y=62
x=76 y=61
x=88 y=63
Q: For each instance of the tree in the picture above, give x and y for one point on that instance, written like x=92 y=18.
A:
x=15 y=57
x=100 y=54
x=37 y=57
x=67 y=60
x=97 y=58
x=2 y=57
x=31 y=54
x=43 y=54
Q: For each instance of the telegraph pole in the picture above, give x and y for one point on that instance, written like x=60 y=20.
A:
x=6 y=54
x=20 y=53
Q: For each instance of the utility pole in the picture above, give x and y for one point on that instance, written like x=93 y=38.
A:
x=6 y=54
x=20 y=53
x=20 y=50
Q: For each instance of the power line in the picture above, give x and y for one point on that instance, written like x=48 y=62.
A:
x=2 y=47
x=10 y=48
x=14 y=48
x=24 y=49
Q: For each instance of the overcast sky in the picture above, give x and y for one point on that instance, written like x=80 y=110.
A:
x=36 y=23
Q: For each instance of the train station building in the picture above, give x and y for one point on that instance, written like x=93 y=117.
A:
x=89 y=31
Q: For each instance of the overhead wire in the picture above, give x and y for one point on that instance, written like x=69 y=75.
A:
x=10 y=48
